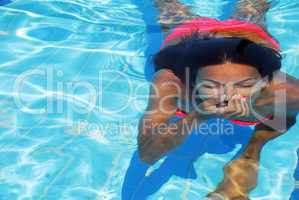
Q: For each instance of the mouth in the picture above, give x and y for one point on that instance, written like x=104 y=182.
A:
x=222 y=104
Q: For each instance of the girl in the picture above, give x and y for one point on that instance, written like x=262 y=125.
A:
x=208 y=68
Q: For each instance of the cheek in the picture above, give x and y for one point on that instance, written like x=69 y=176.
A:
x=208 y=92
x=247 y=92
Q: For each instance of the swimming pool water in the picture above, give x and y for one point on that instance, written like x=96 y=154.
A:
x=73 y=86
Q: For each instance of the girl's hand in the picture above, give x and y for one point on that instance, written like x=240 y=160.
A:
x=236 y=108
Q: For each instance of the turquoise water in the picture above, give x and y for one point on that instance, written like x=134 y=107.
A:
x=73 y=87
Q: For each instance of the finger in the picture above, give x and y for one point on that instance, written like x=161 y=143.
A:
x=240 y=107
x=207 y=110
x=221 y=111
x=247 y=113
x=229 y=109
x=235 y=107
x=247 y=105
x=244 y=109
x=207 y=107
x=210 y=102
x=238 y=104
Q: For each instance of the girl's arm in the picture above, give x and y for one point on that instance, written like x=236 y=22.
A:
x=171 y=13
x=156 y=135
x=283 y=91
x=240 y=175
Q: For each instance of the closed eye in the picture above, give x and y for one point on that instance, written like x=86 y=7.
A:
x=246 y=85
x=209 y=86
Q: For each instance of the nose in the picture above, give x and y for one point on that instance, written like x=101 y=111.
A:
x=227 y=91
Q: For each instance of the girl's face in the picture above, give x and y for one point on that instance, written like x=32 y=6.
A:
x=226 y=80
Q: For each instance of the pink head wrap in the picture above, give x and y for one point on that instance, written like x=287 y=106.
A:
x=211 y=25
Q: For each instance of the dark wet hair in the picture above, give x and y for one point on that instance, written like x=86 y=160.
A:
x=194 y=52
